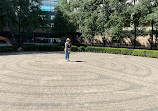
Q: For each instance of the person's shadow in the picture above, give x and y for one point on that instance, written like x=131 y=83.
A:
x=77 y=61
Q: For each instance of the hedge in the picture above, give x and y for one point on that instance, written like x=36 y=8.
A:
x=8 y=48
x=42 y=48
x=123 y=51
x=32 y=48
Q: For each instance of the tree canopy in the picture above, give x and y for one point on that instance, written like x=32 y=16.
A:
x=92 y=17
x=21 y=16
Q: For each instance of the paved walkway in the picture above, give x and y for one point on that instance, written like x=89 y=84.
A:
x=90 y=82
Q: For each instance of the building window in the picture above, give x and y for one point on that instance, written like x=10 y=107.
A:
x=49 y=5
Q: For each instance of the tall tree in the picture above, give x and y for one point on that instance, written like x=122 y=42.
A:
x=149 y=14
x=91 y=17
x=118 y=18
x=103 y=13
x=28 y=16
x=97 y=16
x=7 y=15
x=134 y=10
x=22 y=16
x=63 y=24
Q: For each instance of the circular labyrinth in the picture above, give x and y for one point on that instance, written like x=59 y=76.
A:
x=90 y=82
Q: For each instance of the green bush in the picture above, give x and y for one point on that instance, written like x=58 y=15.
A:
x=42 y=48
x=74 y=49
x=8 y=48
x=155 y=54
x=95 y=49
x=127 y=51
x=152 y=53
x=138 y=52
x=124 y=51
x=82 y=48
x=103 y=50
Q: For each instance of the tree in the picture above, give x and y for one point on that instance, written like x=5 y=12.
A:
x=7 y=15
x=22 y=16
x=103 y=13
x=63 y=24
x=91 y=17
x=149 y=14
x=28 y=16
x=135 y=13
x=2 y=14
x=96 y=17
x=89 y=28
x=118 y=18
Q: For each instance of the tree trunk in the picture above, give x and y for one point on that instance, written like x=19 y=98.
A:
x=134 y=2
x=81 y=40
x=111 y=45
x=73 y=38
x=103 y=37
x=14 y=38
x=19 y=36
x=1 y=30
x=1 y=27
x=135 y=32
x=91 y=42
x=118 y=44
x=104 y=41
x=156 y=39
x=152 y=35
x=23 y=36
x=135 y=37
x=1 y=24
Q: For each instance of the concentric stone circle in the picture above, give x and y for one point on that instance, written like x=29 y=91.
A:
x=35 y=81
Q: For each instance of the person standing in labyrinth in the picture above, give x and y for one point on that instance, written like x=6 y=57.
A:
x=68 y=46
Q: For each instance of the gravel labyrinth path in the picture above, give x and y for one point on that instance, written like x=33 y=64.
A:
x=90 y=82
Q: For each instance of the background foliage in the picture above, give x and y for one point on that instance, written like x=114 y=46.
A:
x=91 y=17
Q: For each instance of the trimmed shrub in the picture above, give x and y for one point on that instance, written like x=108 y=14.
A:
x=74 y=49
x=152 y=53
x=82 y=49
x=115 y=51
x=137 y=52
x=124 y=51
x=8 y=48
x=155 y=54
x=42 y=48
x=95 y=49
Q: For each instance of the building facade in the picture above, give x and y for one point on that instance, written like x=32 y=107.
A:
x=49 y=5
x=44 y=36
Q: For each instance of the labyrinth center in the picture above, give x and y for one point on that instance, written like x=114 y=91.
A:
x=90 y=82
